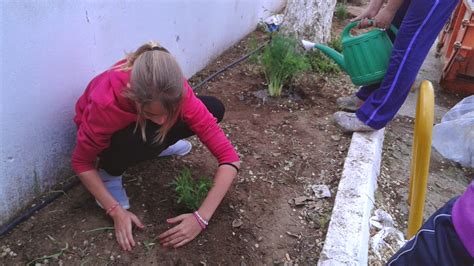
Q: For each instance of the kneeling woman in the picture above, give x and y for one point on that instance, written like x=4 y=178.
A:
x=140 y=108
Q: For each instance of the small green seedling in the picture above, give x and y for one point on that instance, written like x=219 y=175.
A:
x=191 y=192
x=281 y=61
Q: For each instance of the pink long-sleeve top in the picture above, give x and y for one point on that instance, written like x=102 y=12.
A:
x=103 y=110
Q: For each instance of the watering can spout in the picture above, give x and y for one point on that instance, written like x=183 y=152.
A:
x=308 y=45
x=334 y=55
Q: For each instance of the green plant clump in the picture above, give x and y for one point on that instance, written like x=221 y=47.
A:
x=321 y=63
x=336 y=44
x=253 y=45
x=191 y=192
x=281 y=61
x=341 y=11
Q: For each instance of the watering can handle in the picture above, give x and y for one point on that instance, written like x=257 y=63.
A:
x=347 y=30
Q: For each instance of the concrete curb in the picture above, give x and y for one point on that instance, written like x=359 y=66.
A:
x=347 y=239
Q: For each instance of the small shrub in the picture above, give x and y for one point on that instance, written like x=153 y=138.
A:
x=321 y=63
x=191 y=192
x=341 y=11
x=252 y=46
x=281 y=61
x=336 y=44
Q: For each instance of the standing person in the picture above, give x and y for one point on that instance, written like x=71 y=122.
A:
x=446 y=238
x=419 y=24
x=140 y=108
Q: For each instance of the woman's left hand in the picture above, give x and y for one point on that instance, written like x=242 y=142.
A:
x=384 y=18
x=181 y=234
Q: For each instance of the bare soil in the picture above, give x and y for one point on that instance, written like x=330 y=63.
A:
x=286 y=144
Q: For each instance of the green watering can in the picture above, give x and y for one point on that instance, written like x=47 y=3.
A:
x=365 y=57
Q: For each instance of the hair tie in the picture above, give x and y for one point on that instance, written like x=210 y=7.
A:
x=158 y=48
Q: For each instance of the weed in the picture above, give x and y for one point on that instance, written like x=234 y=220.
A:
x=52 y=256
x=281 y=61
x=191 y=192
x=341 y=11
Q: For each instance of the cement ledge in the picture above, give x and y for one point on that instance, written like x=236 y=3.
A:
x=347 y=239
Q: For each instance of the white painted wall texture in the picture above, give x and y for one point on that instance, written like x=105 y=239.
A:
x=51 y=49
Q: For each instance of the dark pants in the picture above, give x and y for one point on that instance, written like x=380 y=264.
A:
x=419 y=24
x=128 y=148
x=436 y=243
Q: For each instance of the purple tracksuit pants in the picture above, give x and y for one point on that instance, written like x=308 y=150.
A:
x=419 y=23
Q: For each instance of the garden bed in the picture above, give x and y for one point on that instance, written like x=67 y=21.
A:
x=286 y=145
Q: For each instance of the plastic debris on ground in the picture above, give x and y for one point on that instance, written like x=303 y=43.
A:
x=273 y=23
x=321 y=191
x=387 y=237
x=454 y=136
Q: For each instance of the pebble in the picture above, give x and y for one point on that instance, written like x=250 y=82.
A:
x=237 y=223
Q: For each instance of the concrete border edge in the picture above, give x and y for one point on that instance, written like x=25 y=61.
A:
x=347 y=239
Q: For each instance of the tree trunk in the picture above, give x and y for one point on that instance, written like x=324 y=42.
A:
x=309 y=19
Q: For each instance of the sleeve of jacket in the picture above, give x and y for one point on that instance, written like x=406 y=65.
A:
x=204 y=124
x=94 y=134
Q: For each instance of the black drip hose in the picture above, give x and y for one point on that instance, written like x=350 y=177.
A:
x=196 y=88
x=54 y=195
x=36 y=207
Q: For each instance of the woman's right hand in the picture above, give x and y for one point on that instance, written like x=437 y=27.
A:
x=123 y=222
x=370 y=12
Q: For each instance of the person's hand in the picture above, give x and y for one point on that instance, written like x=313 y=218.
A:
x=181 y=234
x=384 y=18
x=123 y=221
x=369 y=13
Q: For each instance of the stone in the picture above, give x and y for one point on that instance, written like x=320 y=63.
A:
x=236 y=223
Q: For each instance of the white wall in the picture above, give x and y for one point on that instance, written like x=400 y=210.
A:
x=50 y=49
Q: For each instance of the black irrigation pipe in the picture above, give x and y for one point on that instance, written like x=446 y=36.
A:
x=67 y=186
x=196 y=88
x=38 y=206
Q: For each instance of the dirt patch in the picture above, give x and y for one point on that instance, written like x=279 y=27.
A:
x=286 y=145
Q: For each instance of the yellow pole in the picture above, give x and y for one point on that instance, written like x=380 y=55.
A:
x=421 y=154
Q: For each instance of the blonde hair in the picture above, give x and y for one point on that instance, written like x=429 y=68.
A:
x=156 y=77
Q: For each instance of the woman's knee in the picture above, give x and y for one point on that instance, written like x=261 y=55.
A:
x=214 y=106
